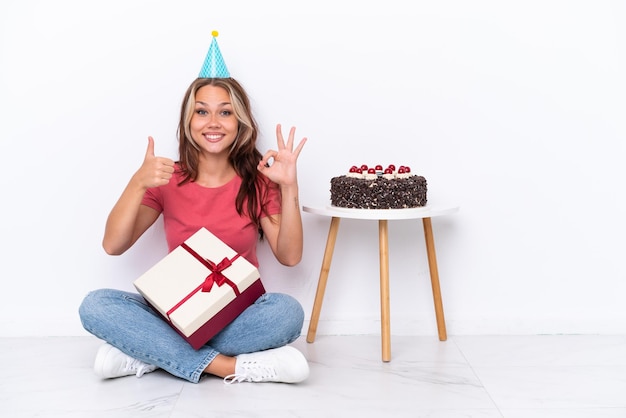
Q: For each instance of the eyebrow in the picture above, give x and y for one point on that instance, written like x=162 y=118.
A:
x=204 y=104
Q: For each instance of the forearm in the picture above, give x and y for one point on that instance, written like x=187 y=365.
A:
x=290 y=235
x=119 y=234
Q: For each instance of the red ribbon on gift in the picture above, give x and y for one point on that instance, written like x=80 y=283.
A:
x=215 y=277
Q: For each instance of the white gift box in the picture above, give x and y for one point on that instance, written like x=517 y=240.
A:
x=200 y=287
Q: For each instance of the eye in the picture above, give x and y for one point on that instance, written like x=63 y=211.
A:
x=226 y=113
x=201 y=112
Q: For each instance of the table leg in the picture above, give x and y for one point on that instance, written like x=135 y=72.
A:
x=434 y=278
x=384 y=289
x=321 y=284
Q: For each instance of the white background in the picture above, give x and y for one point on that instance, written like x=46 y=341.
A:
x=512 y=110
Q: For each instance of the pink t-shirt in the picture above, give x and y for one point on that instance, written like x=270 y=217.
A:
x=189 y=207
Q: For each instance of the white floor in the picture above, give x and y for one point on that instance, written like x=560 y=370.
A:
x=467 y=376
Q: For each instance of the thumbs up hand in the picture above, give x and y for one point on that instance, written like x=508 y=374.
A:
x=155 y=171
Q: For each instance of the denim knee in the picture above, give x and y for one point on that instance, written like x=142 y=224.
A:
x=293 y=316
x=104 y=305
x=90 y=305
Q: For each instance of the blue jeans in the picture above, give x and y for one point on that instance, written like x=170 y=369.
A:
x=126 y=321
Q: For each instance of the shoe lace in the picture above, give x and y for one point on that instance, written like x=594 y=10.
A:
x=253 y=372
x=138 y=366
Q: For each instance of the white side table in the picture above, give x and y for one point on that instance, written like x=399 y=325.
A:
x=382 y=216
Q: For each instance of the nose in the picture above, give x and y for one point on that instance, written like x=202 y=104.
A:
x=213 y=120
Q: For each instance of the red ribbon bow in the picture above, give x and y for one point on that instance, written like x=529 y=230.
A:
x=216 y=275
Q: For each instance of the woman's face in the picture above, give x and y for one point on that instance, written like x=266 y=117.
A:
x=213 y=125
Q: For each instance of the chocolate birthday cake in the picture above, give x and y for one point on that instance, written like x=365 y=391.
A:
x=375 y=188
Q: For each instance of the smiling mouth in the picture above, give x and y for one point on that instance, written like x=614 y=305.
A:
x=213 y=137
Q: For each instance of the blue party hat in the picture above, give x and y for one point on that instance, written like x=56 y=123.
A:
x=214 y=66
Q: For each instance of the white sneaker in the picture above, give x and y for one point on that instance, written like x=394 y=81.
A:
x=111 y=362
x=284 y=364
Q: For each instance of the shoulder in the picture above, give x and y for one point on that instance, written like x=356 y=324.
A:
x=269 y=194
